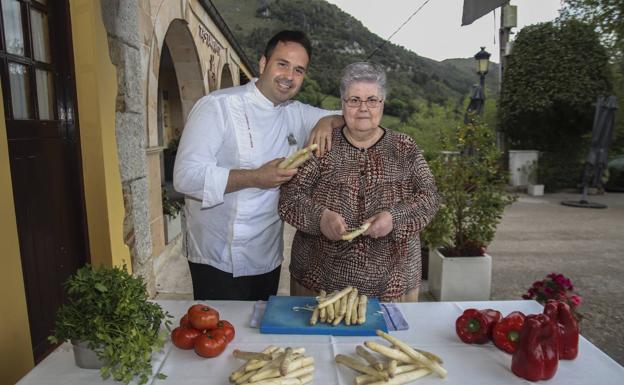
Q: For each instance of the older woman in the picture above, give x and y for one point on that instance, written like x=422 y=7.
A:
x=371 y=175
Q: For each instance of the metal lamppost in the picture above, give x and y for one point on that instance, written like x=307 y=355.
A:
x=483 y=63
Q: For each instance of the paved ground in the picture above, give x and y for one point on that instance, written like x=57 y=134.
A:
x=537 y=236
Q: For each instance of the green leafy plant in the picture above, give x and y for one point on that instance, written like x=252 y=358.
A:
x=109 y=309
x=472 y=188
x=171 y=208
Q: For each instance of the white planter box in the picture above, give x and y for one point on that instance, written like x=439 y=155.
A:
x=536 y=190
x=460 y=278
x=517 y=160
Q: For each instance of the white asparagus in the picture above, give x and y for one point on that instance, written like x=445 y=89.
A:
x=241 y=371
x=288 y=358
x=358 y=366
x=364 y=379
x=365 y=354
x=295 y=156
x=337 y=320
x=430 y=355
x=354 y=311
x=334 y=297
x=315 y=316
x=300 y=160
x=355 y=233
x=343 y=305
x=330 y=313
x=256 y=364
x=276 y=381
x=336 y=309
x=245 y=378
x=392 y=368
x=270 y=370
x=433 y=365
x=251 y=355
x=362 y=309
x=322 y=311
x=387 y=351
x=404 y=378
x=300 y=362
x=350 y=301
x=306 y=379
x=301 y=371
x=274 y=372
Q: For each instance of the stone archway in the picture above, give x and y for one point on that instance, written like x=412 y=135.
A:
x=175 y=84
x=186 y=62
x=226 y=78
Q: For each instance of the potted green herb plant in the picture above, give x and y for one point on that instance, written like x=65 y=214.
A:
x=108 y=312
x=471 y=185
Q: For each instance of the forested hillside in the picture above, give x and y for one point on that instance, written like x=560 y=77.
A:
x=425 y=96
x=339 y=39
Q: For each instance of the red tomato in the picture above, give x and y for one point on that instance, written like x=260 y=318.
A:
x=184 y=321
x=227 y=328
x=184 y=338
x=203 y=317
x=211 y=343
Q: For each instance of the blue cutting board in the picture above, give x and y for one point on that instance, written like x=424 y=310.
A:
x=280 y=318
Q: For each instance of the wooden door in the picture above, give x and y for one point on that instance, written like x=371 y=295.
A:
x=36 y=69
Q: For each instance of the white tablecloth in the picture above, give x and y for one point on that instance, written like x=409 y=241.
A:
x=432 y=327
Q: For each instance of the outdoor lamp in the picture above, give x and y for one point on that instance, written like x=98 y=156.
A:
x=483 y=61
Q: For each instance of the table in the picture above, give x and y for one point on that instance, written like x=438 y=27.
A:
x=432 y=327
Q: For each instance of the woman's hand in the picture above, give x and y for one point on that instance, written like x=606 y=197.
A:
x=381 y=225
x=333 y=225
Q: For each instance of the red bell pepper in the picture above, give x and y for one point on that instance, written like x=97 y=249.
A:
x=537 y=353
x=475 y=326
x=568 y=328
x=506 y=333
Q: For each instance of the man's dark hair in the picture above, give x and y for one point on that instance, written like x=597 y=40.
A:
x=287 y=36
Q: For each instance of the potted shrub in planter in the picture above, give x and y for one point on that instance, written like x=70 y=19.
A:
x=472 y=188
x=534 y=188
x=108 y=313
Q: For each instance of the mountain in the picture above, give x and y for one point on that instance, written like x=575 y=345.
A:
x=339 y=39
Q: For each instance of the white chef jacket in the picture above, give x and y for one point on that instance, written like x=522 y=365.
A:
x=236 y=128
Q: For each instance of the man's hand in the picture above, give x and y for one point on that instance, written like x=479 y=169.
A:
x=267 y=176
x=333 y=225
x=381 y=225
x=322 y=133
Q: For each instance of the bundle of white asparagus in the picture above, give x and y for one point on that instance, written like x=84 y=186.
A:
x=274 y=366
x=340 y=306
x=298 y=158
x=393 y=365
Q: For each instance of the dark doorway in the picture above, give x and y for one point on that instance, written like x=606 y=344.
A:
x=36 y=68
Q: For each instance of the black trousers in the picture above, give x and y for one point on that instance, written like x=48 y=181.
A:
x=212 y=283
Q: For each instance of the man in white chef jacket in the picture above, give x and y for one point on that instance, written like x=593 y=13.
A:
x=226 y=166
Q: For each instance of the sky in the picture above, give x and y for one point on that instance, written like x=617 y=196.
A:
x=435 y=31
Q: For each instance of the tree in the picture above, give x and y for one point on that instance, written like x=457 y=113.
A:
x=552 y=79
x=607 y=17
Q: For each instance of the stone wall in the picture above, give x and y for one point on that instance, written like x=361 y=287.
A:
x=203 y=59
x=121 y=20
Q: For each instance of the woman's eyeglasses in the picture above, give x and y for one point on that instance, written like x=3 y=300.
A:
x=355 y=102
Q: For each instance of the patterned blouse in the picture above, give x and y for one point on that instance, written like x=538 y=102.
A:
x=391 y=175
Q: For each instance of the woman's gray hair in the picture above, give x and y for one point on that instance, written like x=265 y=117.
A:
x=362 y=72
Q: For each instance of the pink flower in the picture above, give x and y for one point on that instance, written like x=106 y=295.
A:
x=576 y=300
